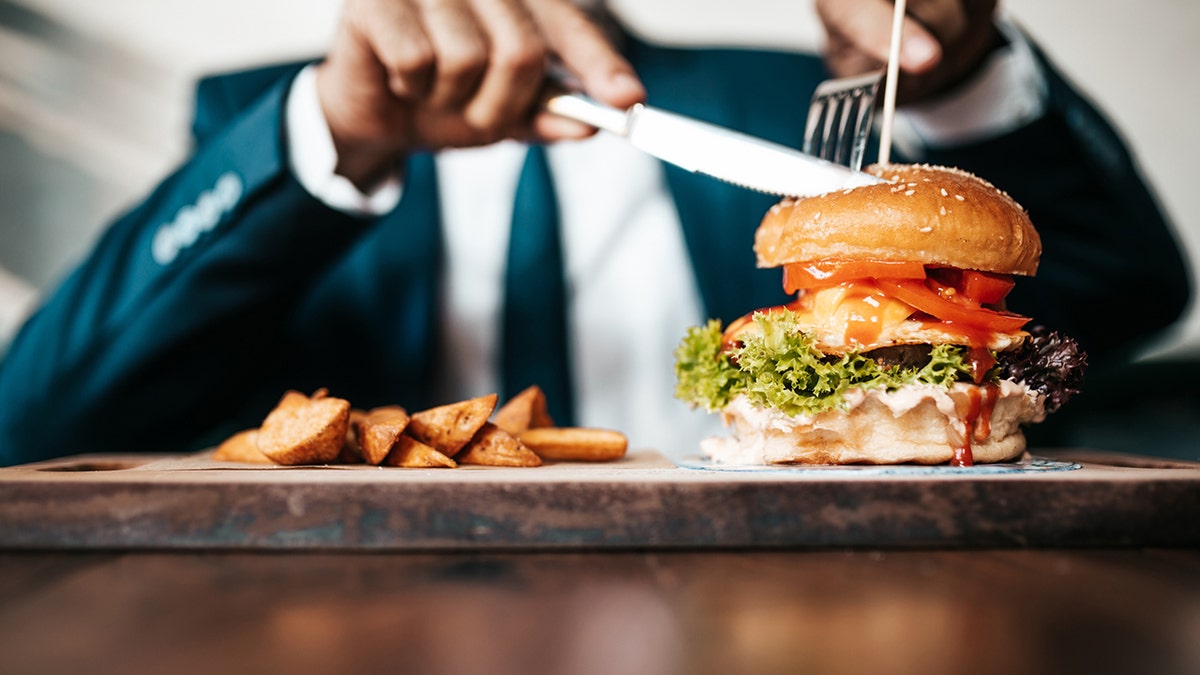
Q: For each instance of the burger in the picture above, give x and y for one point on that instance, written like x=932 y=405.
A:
x=898 y=347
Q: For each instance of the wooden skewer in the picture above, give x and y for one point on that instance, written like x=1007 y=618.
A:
x=889 y=91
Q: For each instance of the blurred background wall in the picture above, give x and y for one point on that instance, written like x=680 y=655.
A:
x=95 y=98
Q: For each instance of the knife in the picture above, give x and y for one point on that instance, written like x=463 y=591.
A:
x=715 y=151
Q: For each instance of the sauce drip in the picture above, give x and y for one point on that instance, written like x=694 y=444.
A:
x=980 y=359
x=977 y=418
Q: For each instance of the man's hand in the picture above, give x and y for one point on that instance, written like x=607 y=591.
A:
x=406 y=75
x=943 y=40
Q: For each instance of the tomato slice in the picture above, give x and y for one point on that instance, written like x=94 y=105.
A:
x=822 y=273
x=986 y=288
x=960 y=310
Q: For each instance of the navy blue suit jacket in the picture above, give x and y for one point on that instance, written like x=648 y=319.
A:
x=230 y=284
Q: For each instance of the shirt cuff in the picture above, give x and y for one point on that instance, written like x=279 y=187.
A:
x=312 y=156
x=1008 y=92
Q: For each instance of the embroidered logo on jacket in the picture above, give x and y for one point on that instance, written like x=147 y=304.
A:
x=193 y=220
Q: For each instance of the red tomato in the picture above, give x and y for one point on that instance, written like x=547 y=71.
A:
x=946 y=276
x=986 y=288
x=822 y=273
x=959 y=310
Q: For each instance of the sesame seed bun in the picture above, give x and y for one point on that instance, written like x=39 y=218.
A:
x=929 y=214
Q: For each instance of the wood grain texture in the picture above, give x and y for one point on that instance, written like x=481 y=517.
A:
x=640 y=502
x=660 y=613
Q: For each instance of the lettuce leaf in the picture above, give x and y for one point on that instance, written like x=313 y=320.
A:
x=781 y=368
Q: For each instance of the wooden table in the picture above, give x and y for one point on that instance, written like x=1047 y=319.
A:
x=180 y=566
x=985 y=611
x=644 y=501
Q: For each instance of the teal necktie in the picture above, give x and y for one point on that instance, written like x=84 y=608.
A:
x=534 y=341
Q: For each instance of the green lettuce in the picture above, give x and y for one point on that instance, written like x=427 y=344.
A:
x=780 y=368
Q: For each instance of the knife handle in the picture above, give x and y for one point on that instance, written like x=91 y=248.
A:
x=583 y=108
x=563 y=95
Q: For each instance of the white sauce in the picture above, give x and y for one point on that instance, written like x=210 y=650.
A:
x=763 y=436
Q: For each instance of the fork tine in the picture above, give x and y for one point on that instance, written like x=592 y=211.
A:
x=841 y=146
x=839 y=119
x=828 y=146
x=862 y=126
x=816 y=111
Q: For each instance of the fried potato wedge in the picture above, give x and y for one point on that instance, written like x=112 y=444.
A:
x=494 y=446
x=322 y=429
x=241 y=447
x=450 y=427
x=303 y=430
x=351 y=452
x=377 y=430
x=410 y=453
x=575 y=444
x=526 y=410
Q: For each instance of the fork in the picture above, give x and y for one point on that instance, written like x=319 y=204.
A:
x=851 y=100
x=839 y=119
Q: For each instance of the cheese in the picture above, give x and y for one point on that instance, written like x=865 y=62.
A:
x=860 y=316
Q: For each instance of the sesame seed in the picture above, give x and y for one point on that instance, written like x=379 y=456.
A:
x=943 y=210
x=944 y=193
x=960 y=198
x=909 y=193
x=927 y=229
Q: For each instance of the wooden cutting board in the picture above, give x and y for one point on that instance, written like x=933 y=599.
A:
x=1066 y=498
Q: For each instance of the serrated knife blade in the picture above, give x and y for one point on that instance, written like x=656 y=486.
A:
x=725 y=154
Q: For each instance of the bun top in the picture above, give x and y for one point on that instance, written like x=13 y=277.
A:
x=930 y=214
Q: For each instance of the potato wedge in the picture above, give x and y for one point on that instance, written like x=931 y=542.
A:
x=494 y=446
x=410 y=453
x=526 y=410
x=575 y=444
x=241 y=447
x=377 y=431
x=450 y=427
x=351 y=452
x=303 y=430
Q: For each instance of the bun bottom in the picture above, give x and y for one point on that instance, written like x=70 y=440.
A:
x=905 y=427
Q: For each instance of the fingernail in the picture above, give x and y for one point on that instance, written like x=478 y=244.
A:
x=916 y=52
x=626 y=83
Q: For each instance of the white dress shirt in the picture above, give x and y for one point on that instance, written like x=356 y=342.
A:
x=629 y=277
x=17 y=300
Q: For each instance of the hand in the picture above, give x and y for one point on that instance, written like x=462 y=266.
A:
x=943 y=41
x=407 y=75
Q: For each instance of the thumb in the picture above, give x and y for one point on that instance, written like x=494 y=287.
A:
x=585 y=51
x=866 y=26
